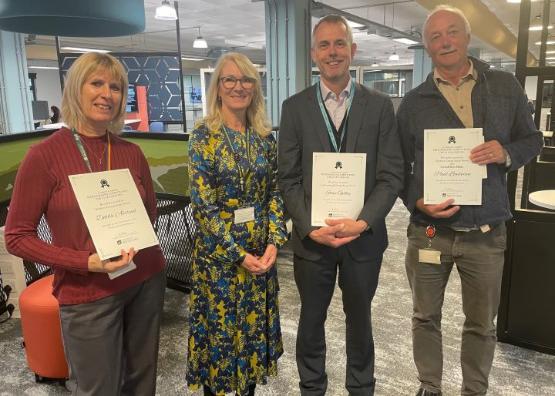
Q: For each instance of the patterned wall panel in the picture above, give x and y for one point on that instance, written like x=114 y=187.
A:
x=160 y=74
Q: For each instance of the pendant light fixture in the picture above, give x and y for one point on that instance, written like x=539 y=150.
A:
x=199 y=41
x=165 y=12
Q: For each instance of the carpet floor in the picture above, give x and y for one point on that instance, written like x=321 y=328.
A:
x=516 y=371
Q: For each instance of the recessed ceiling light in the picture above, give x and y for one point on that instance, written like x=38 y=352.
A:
x=355 y=25
x=44 y=67
x=79 y=49
x=536 y=28
x=405 y=41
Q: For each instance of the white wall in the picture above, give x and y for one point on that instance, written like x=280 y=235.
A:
x=48 y=86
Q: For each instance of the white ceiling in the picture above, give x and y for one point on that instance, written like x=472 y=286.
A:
x=242 y=23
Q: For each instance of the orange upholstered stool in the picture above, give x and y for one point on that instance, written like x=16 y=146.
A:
x=42 y=335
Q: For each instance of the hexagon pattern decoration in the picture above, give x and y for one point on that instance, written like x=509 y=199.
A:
x=159 y=73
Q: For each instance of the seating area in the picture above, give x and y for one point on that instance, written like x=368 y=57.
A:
x=39 y=309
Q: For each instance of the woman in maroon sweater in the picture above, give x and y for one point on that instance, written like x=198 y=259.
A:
x=110 y=327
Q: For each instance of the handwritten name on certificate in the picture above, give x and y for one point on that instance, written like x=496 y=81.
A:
x=113 y=211
x=337 y=186
x=448 y=171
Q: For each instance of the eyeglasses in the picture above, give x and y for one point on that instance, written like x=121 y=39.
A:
x=230 y=82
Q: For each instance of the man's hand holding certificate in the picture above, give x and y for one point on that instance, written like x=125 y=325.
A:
x=448 y=170
x=113 y=211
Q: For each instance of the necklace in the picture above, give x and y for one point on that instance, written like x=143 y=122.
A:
x=91 y=151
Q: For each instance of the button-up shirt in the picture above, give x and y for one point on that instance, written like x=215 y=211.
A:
x=459 y=96
x=336 y=105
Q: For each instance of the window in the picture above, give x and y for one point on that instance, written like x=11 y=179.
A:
x=394 y=83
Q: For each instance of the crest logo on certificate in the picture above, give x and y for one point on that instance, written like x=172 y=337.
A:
x=113 y=211
x=338 y=181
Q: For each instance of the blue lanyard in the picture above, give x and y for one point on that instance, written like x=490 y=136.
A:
x=326 y=119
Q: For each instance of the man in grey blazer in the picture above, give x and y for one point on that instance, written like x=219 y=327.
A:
x=338 y=115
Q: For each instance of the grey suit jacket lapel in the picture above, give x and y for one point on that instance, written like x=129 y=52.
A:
x=317 y=120
x=355 y=118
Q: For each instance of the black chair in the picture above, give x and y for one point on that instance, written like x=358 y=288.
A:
x=176 y=229
x=541 y=176
x=547 y=154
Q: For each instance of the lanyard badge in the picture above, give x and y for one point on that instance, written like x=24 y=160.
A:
x=429 y=255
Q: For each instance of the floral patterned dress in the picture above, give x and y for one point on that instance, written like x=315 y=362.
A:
x=234 y=334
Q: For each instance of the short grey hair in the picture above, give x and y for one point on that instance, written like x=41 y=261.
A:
x=448 y=8
x=334 y=18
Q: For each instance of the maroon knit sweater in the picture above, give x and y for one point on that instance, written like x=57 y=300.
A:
x=42 y=187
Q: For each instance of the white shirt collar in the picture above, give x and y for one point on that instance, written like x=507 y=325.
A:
x=326 y=91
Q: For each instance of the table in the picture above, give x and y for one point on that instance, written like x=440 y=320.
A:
x=543 y=198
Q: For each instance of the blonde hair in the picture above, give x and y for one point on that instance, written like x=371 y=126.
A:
x=447 y=8
x=256 y=113
x=334 y=19
x=76 y=77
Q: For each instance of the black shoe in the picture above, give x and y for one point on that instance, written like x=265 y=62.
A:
x=425 y=392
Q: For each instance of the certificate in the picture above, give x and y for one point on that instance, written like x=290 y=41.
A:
x=448 y=171
x=337 y=186
x=113 y=211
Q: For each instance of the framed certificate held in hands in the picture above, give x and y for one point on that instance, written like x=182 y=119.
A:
x=113 y=211
x=448 y=171
x=338 y=181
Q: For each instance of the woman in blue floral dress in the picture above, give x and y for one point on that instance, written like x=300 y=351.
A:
x=234 y=336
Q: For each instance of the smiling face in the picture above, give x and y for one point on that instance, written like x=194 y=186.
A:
x=447 y=41
x=101 y=97
x=238 y=98
x=332 y=53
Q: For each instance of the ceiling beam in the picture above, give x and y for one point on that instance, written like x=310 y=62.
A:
x=484 y=24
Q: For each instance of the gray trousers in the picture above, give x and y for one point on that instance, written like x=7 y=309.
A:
x=111 y=345
x=479 y=258
x=316 y=283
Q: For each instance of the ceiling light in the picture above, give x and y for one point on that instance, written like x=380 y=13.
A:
x=191 y=59
x=355 y=25
x=165 y=12
x=518 y=1
x=548 y=42
x=536 y=28
x=79 y=49
x=550 y=58
x=238 y=43
x=404 y=40
x=375 y=64
x=44 y=67
x=550 y=52
x=199 y=41
x=394 y=57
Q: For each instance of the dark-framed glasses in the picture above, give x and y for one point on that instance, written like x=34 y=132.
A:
x=230 y=82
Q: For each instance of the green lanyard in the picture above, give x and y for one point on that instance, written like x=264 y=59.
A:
x=243 y=173
x=325 y=115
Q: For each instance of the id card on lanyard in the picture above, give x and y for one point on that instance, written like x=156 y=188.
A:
x=245 y=213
